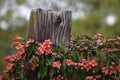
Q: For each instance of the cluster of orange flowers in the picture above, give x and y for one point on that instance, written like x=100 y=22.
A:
x=93 y=66
x=83 y=64
x=11 y=59
x=56 y=64
x=111 y=70
x=107 y=71
x=98 y=36
x=20 y=47
x=45 y=48
x=107 y=46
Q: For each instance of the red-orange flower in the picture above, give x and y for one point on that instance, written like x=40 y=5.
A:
x=56 y=64
x=105 y=70
x=47 y=42
x=93 y=63
x=41 y=50
x=17 y=38
x=118 y=37
x=89 y=78
x=98 y=36
x=88 y=65
x=21 y=51
x=112 y=70
x=30 y=41
x=83 y=60
x=47 y=50
x=9 y=66
x=9 y=59
x=118 y=68
x=53 y=54
x=44 y=48
x=69 y=62
x=18 y=56
x=34 y=66
x=19 y=46
x=1 y=77
x=15 y=43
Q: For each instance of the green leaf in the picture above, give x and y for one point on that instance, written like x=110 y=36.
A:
x=64 y=63
x=30 y=50
x=51 y=72
x=66 y=50
x=22 y=74
x=78 y=75
x=78 y=57
x=37 y=59
x=42 y=60
x=39 y=73
x=100 y=57
x=48 y=62
x=64 y=73
x=75 y=55
x=42 y=72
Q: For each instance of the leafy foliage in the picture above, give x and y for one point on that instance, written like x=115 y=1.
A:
x=85 y=59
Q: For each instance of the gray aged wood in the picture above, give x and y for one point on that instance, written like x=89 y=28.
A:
x=49 y=24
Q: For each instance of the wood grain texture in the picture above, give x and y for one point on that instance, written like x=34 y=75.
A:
x=32 y=24
x=53 y=25
x=49 y=24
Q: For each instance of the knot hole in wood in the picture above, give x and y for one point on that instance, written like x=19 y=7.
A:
x=59 y=20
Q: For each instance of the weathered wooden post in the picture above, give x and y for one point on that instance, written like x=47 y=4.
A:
x=49 y=24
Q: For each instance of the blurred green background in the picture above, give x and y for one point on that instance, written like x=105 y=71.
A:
x=89 y=17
